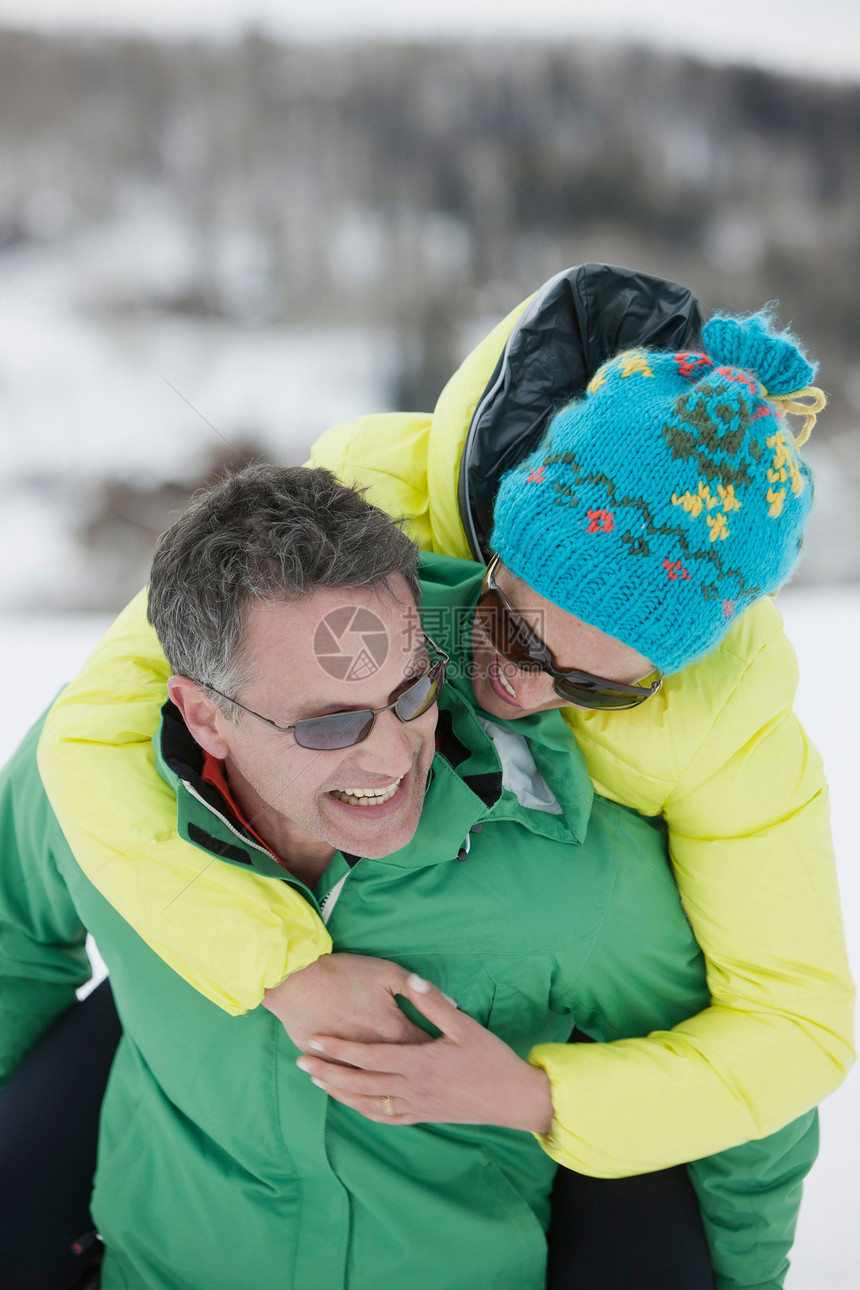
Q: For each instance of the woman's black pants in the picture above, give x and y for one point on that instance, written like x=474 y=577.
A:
x=641 y=1233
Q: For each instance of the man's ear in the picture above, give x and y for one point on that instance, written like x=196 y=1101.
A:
x=203 y=719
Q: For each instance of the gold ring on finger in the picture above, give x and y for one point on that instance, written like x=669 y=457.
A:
x=387 y=1108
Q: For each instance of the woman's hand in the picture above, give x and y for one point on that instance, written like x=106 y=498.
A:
x=468 y=1076
x=351 y=996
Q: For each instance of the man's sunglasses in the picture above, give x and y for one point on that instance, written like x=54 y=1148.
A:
x=344 y=729
x=511 y=636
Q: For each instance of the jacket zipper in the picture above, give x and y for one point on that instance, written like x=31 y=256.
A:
x=246 y=841
x=329 y=900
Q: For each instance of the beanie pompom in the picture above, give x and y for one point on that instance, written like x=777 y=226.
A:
x=752 y=344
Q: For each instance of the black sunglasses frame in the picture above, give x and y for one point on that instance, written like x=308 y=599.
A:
x=436 y=673
x=580 y=688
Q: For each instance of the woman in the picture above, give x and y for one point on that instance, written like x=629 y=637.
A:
x=714 y=751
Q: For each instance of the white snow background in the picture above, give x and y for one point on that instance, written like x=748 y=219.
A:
x=38 y=653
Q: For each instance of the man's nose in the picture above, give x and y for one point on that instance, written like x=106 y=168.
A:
x=388 y=748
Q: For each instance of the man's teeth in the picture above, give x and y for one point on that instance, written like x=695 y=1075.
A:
x=366 y=796
x=506 y=683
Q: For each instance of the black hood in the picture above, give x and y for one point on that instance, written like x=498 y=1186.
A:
x=574 y=323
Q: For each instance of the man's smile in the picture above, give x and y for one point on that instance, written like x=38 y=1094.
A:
x=365 y=797
x=372 y=803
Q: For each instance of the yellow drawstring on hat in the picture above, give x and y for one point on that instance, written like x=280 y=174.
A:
x=791 y=403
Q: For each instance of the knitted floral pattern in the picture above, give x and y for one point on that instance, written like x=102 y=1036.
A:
x=671 y=496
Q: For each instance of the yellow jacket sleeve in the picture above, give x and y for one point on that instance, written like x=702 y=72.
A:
x=398 y=484
x=230 y=934
x=751 y=849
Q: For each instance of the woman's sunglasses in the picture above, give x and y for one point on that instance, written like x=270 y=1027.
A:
x=344 y=729
x=511 y=636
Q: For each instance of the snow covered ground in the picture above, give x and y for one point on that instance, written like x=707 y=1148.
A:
x=39 y=652
x=114 y=403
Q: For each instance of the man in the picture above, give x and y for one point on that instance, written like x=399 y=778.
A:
x=220 y=1164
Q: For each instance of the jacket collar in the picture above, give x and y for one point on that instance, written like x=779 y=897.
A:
x=450 y=589
x=203 y=816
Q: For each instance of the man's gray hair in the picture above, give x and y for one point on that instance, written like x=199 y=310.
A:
x=265 y=533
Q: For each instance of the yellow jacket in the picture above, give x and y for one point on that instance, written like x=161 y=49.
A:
x=717 y=752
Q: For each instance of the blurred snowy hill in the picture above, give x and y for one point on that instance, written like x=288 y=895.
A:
x=247 y=240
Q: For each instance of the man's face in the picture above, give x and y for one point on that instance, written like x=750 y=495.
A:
x=504 y=690
x=293 y=790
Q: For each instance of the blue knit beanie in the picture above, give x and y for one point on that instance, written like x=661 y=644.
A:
x=672 y=495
